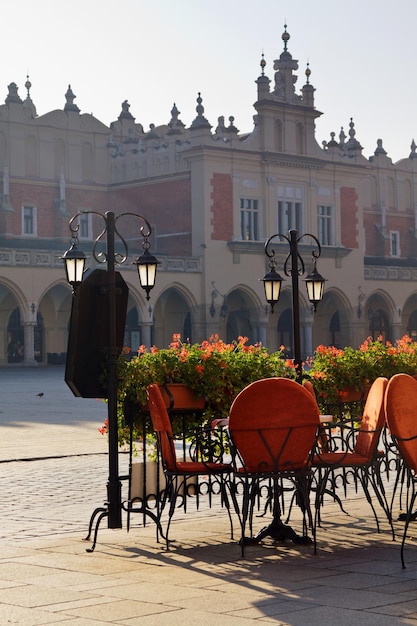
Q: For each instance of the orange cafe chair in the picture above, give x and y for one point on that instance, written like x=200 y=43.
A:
x=273 y=425
x=359 y=451
x=177 y=472
x=401 y=414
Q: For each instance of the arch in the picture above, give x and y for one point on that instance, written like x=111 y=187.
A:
x=15 y=338
x=380 y=310
x=332 y=325
x=240 y=316
x=173 y=314
x=54 y=307
x=412 y=325
x=285 y=332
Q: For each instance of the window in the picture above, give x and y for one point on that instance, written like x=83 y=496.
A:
x=290 y=209
x=249 y=219
x=395 y=243
x=85 y=226
x=325 y=225
x=28 y=220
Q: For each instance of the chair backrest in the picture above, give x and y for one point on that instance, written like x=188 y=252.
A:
x=373 y=419
x=401 y=414
x=323 y=438
x=273 y=423
x=162 y=426
x=307 y=384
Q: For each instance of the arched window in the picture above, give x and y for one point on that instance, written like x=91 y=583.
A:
x=378 y=325
x=334 y=328
x=285 y=333
x=186 y=329
x=15 y=338
x=412 y=326
x=132 y=338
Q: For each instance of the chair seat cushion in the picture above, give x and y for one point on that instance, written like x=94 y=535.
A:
x=337 y=459
x=198 y=467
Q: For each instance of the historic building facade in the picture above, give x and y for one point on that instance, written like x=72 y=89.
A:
x=213 y=196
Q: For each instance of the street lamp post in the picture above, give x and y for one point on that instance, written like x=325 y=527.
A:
x=74 y=260
x=294 y=266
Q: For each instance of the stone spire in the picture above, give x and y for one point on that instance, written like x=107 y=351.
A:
x=176 y=127
x=28 y=105
x=379 y=148
x=413 y=154
x=284 y=77
x=200 y=121
x=70 y=97
x=308 y=89
x=263 y=81
x=352 y=144
x=125 y=113
x=13 y=96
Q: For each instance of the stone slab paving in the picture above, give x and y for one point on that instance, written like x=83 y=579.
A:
x=47 y=577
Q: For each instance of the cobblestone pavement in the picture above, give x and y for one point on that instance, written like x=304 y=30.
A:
x=53 y=460
x=52 y=424
x=53 y=473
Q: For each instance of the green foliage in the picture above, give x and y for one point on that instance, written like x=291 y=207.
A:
x=334 y=372
x=218 y=371
x=214 y=370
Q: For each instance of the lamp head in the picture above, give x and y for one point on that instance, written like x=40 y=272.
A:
x=272 y=286
x=146 y=265
x=315 y=287
x=74 y=262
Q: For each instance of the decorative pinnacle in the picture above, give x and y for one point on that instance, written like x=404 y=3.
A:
x=262 y=63
x=285 y=37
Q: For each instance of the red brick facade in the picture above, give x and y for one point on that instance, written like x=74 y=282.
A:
x=349 y=217
x=221 y=207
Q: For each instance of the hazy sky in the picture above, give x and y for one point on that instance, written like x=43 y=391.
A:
x=362 y=57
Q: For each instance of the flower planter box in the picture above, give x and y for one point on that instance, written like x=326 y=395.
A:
x=147 y=482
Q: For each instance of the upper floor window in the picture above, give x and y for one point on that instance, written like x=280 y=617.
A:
x=325 y=225
x=394 y=243
x=85 y=231
x=249 y=219
x=290 y=209
x=29 y=220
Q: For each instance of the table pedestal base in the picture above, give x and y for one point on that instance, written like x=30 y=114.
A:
x=279 y=532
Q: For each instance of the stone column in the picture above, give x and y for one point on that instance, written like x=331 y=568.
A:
x=29 y=343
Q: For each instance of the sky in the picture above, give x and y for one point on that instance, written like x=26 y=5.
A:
x=362 y=57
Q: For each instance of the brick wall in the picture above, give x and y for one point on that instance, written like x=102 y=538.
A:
x=221 y=207
x=349 y=217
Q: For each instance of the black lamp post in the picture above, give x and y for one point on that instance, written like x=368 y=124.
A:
x=294 y=266
x=74 y=260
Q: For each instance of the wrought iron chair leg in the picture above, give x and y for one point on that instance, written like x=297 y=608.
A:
x=104 y=513
x=407 y=521
x=97 y=511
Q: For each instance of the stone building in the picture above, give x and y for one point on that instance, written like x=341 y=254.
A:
x=213 y=195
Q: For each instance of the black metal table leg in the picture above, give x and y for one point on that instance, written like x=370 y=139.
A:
x=277 y=529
